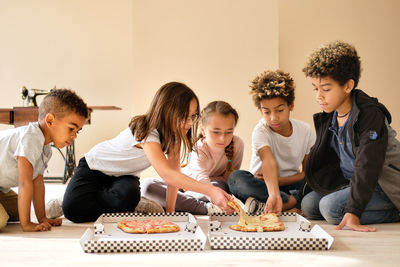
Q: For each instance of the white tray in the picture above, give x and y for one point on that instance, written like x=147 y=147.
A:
x=298 y=235
x=107 y=238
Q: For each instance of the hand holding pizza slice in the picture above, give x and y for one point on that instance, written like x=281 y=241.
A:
x=263 y=223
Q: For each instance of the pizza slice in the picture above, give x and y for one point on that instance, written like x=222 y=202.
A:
x=263 y=223
x=132 y=227
x=149 y=226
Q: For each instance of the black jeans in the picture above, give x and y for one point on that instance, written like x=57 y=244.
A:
x=91 y=193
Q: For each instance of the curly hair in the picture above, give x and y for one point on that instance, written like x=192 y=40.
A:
x=61 y=102
x=271 y=84
x=338 y=60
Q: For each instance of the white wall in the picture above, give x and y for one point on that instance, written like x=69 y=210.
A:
x=82 y=45
x=371 y=26
x=120 y=52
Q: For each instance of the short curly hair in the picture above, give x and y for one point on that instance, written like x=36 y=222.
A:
x=271 y=84
x=62 y=102
x=338 y=60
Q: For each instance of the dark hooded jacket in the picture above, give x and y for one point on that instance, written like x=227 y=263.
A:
x=376 y=150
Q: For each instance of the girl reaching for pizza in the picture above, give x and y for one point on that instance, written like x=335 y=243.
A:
x=216 y=154
x=107 y=177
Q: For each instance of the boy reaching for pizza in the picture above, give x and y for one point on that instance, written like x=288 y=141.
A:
x=280 y=144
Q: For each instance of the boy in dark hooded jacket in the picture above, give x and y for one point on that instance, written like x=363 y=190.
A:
x=353 y=170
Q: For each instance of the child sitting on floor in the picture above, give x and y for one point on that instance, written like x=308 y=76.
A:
x=216 y=154
x=354 y=168
x=280 y=144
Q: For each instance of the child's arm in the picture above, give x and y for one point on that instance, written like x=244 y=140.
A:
x=176 y=178
x=283 y=181
x=38 y=202
x=270 y=171
x=172 y=191
x=25 y=194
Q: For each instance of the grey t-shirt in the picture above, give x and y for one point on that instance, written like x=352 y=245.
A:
x=26 y=141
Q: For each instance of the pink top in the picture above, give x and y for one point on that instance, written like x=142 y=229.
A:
x=209 y=163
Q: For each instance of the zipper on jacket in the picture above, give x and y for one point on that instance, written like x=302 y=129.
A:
x=304 y=189
x=394 y=167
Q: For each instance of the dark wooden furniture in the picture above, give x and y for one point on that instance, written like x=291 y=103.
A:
x=19 y=116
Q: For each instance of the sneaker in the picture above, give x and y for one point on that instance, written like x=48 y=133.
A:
x=213 y=209
x=146 y=206
x=54 y=208
x=254 y=206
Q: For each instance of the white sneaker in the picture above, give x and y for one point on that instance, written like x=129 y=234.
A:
x=254 y=206
x=213 y=209
x=54 y=208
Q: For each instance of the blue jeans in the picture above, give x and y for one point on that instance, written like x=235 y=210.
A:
x=331 y=207
x=243 y=184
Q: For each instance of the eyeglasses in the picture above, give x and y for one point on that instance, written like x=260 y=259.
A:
x=193 y=118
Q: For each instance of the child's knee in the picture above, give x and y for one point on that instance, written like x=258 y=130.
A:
x=310 y=208
x=306 y=207
x=330 y=210
x=237 y=179
x=146 y=185
x=3 y=217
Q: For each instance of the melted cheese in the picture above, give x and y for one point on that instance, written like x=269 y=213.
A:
x=254 y=222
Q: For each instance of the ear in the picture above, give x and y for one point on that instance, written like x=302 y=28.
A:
x=291 y=106
x=202 y=130
x=349 y=86
x=49 y=119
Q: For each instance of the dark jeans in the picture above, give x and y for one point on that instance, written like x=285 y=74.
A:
x=91 y=193
x=243 y=184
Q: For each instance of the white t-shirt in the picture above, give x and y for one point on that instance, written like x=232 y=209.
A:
x=288 y=152
x=119 y=156
x=25 y=141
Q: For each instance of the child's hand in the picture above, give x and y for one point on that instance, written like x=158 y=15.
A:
x=53 y=222
x=274 y=204
x=259 y=175
x=353 y=222
x=221 y=198
x=34 y=227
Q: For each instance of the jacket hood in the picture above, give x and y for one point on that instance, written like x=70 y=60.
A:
x=363 y=100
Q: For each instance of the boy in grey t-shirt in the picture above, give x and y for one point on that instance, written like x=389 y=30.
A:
x=25 y=151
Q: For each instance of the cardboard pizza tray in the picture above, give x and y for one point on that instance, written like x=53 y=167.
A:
x=107 y=238
x=298 y=235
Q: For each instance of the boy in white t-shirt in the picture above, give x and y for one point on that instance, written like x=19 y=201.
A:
x=279 y=146
x=25 y=152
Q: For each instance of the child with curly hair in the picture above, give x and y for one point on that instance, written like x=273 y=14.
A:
x=280 y=144
x=216 y=154
x=353 y=170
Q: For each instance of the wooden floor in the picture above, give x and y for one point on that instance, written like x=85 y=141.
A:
x=60 y=247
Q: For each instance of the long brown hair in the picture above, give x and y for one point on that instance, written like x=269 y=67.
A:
x=223 y=108
x=168 y=110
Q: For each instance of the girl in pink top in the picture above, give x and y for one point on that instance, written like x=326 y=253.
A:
x=216 y=154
